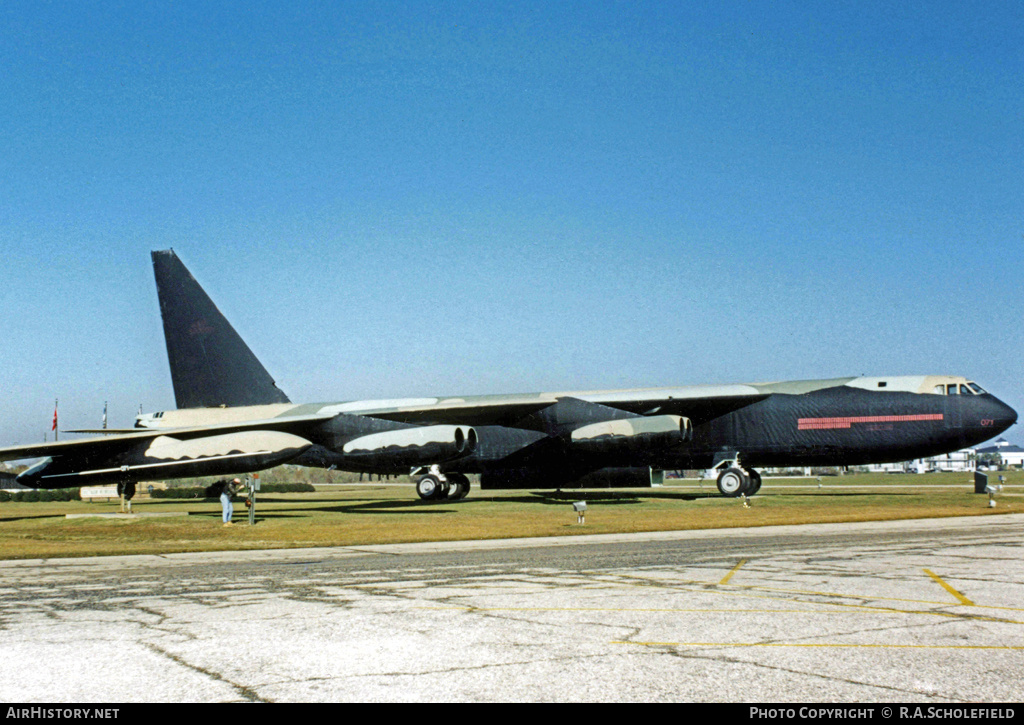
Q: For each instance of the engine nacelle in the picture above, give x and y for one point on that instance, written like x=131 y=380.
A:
x=397 y=450
x=632 y=435
x=638 y=477
x=166 y=457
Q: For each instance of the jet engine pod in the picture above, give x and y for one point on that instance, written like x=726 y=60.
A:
x=397 y=450
x=632 y=434
x=167 y=457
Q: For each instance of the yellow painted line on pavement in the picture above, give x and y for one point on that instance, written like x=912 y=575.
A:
x=820 y=644
x=696 y=586
x=858 y=610
x=688 y=585
x=733 y=571
x=834 y=608
x=951 y=590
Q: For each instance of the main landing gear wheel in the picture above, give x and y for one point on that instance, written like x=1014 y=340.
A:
x=430 y=488
x=440 y=487
x=458 y=486
x=755 y=482
x=733 y=482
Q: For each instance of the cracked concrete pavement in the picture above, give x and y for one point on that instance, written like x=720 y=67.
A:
x=928 y=611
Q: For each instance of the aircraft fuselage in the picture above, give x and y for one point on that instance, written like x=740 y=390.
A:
x=525 y=440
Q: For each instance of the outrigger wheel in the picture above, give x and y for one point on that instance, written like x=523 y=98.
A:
x=734 y=481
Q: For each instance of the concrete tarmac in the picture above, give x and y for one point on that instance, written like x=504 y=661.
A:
x=907 y=611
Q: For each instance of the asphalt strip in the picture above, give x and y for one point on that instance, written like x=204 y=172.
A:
x=431 y=547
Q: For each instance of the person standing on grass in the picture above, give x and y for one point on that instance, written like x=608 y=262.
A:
x=227 y=491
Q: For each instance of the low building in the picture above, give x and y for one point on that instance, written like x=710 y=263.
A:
x=964 y=460
x=1009 y=454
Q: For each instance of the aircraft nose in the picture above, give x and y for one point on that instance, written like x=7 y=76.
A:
x=1001 y=415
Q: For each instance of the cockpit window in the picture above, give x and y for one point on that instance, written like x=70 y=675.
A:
x=964 y=390
x=978 y=390
x=940 y=390
x=951 y=390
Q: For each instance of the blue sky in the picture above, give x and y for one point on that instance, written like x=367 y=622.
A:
x=411 y=198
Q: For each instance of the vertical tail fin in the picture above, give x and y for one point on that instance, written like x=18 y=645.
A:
x=210 y=363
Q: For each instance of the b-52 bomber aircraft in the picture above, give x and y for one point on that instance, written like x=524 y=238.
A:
x=232 y=418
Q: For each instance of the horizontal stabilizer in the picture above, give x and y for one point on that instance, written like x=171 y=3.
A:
x=103 y=431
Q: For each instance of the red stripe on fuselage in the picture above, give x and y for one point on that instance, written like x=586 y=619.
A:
x=833 y=423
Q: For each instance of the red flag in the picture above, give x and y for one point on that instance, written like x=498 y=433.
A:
x=54 y=417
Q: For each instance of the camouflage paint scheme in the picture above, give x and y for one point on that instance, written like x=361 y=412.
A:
x=537 y=440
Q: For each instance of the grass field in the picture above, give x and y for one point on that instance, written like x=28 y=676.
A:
x=373 y=513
